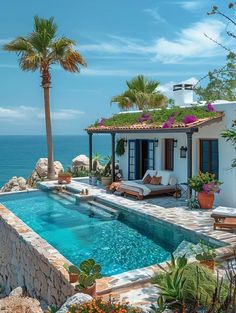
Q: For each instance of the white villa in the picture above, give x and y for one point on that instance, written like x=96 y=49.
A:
x=184 y=149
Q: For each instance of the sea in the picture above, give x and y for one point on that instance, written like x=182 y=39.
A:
x=19 y=154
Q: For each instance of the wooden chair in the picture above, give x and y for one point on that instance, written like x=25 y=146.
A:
x=224 y=217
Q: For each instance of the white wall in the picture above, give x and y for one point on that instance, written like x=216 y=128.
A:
x=226 y=153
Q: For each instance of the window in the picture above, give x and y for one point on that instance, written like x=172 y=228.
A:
x=169 y=154
x=209 y=156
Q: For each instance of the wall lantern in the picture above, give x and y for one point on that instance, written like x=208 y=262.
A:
x=175 y=143
x=125 y=141
x=156 y=142
x=183 y=152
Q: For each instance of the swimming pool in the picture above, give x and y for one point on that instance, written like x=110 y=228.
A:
x=83 y=231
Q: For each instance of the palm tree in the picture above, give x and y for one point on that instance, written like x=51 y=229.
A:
x=142 y=94
x=38 y=51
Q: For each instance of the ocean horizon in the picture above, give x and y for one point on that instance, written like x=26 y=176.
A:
x=19 y=153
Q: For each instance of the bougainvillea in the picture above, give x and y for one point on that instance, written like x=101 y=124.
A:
x=169 y=122
x=102 y=121
x=144 y=118
x=189 y=119
x=210 y=108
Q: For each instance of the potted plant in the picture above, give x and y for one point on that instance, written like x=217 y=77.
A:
x=64 y=177
x=106 y=178
x=89 y=271
x=206 y=255
x=73 y=272
x=206 y=186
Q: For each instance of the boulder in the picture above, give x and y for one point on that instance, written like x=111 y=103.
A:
x=15 y=184
x=41 y=167
x=17 y=292
x=19 y=305
x=80 y=161
x=41 y=170
x=78 y=298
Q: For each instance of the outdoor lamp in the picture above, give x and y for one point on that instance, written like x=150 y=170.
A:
x=156 y=142
x=183 y=152
x=175 y=143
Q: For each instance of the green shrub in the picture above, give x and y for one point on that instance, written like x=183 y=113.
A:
x=198 y=284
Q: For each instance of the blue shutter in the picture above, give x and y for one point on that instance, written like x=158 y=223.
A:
x=151 y=154
x=132 y=160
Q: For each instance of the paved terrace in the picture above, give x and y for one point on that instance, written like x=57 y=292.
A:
x=134 y=286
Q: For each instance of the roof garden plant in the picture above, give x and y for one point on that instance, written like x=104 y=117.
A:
x=173 y=116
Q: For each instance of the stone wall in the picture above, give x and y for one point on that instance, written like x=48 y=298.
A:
x=29 y=261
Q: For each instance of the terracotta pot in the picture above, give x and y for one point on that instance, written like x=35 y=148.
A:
x=73 y=277
x=209 y=263
x=205 y=200
x=91 y=291
x=64 y=179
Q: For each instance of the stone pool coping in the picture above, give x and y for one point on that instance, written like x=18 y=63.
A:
x=198 y=221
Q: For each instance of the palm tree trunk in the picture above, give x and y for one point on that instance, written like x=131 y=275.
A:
x=46 y=81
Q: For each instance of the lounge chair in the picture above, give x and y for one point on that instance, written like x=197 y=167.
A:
x=140 y=190
x=224 y=217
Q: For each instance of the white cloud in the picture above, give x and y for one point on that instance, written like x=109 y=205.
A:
x=154 y=13
x=117 y=45
x=28 y=112
x=191 y=5
x=191 y=43
x=188 y=43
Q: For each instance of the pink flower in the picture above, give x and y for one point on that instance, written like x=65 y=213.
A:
x=169 y=122
x=144 y=118
x=210 y=108
x=102 y=121
x=189 y=119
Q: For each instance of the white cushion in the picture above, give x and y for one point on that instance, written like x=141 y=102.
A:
x=225 y=211
x=150 y=172
x=165 y=177
x=173 y=180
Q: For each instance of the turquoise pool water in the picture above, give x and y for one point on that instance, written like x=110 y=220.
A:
x=83 y=231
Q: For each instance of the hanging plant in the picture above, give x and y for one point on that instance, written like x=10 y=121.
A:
x=120 y=147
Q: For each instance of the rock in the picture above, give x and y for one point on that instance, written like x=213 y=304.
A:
x=15 y=184
x=19 y=305
x=80 y=161
x=187 y=248
x=17 y=292
x=41 y=170
x=41 y=167
x=78 y=298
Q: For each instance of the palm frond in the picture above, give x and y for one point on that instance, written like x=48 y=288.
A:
x=19 y=45
x=42 y=26
x=71 y=61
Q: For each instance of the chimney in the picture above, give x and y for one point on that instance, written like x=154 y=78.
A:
x=183 y=94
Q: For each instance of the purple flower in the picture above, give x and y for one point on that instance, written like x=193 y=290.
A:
x=188 y=119
x=144 y=118
x=210 y=108
x=205 y=188
x=169 y=122
x=102 y=121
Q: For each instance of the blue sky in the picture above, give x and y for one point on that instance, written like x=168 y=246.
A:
x=162 y=39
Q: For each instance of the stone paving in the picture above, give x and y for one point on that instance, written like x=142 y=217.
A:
x=133 y=285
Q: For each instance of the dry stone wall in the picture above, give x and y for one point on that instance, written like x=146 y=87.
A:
x=29 y=261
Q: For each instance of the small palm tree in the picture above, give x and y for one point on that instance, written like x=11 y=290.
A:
x=39 y=51
x=142 y=94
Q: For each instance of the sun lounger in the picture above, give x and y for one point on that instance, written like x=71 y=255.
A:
x=224 y=217
x=140 y=190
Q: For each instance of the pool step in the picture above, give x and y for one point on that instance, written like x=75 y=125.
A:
x=104 y=207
